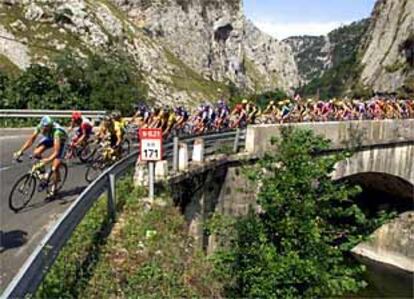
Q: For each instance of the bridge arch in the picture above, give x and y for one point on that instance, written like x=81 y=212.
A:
x=388 y=169
x=383 y=191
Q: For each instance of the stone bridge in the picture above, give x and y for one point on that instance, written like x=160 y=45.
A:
x=384 y=158
x=383 y=161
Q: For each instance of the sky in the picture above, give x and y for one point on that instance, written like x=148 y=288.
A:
x=284 y=18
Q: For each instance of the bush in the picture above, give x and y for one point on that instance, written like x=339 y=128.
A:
x=95 y=83
x=297 y=246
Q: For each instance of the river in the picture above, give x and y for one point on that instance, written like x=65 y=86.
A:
x=385 y=281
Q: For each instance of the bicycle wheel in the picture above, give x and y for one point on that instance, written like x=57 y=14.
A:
x=22 y=192
x=94 y=169
x=63 y=174
x=86 y=153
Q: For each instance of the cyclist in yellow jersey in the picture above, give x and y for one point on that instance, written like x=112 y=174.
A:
x=119 y=129
x=170 y=123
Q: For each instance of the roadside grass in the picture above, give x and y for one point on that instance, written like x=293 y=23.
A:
x=149 y=254
x=76 y=263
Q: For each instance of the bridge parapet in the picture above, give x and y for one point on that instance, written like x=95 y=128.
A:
x=341 y=134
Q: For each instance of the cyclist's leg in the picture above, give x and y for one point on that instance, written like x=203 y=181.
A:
x=43 y=145
x=56 y=165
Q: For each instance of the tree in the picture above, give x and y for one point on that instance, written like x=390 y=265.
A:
x=4 y=82
x=297 y=246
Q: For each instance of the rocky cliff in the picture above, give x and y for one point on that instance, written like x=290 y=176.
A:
x=388 y=52
x=187 y=50
x=215 y=39
x=376 y=54
x=315 y=55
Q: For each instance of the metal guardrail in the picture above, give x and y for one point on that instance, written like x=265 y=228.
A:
x=35 y=268
x=39 y=113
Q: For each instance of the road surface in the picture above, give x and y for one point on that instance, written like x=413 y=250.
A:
x=20 y=233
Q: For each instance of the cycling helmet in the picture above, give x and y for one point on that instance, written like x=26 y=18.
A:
x=245 y=102
x=272 y=103
x=46 y=121
x=220 y=103
x=116 y=115
x=76 y=115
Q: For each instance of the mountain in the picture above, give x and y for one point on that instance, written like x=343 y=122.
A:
x=187 y=51
x=316 y=54
x=388 y=51
x=372 y=55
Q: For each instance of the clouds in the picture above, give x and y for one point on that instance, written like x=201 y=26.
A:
x=284 y=30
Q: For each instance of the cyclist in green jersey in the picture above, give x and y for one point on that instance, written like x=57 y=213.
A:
x=54 y=136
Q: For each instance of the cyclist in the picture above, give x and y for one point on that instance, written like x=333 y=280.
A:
x=169 y=121
x=119 y=131
x=240 y=116
x=142 y=115
x=182 y=117
x=84 y=131
x=252 y=111
x=54 y=136
x=155 y=120
x=222 y=114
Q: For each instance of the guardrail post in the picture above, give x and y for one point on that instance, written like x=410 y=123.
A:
x=112 y=197
x=236 y=142
x=175 y=154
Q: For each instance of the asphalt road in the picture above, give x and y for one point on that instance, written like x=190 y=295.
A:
x=20 y=233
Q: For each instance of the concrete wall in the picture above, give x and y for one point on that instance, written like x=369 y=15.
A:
x=340 y=133
x=392 y=243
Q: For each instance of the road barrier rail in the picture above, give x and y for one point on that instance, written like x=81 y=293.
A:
x=17 y=113
x=33 y=271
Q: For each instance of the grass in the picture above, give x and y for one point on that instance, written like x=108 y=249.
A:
x=8 y=67
x=187 y=79
x=149 y=254
x=76 y=263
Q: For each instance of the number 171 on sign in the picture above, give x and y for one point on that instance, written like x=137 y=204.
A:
x=151 y=144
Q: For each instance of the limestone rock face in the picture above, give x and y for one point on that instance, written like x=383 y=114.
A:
x=187 y=50
x=272 y=63
x=215 y=39
x=389 y=48
x=16 y=52
x=313 y=54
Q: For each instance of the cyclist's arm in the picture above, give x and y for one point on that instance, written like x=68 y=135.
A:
x=57 y=144
x=81 y=139
x=29 y=142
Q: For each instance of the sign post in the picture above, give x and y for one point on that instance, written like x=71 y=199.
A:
x=151 y=151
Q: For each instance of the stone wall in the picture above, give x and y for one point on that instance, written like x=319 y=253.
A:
x=341 y=134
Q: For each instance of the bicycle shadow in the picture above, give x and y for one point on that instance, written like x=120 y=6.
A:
x=64 y=198
x=12 y=239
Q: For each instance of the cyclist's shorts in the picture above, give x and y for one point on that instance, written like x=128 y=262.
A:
x=88 y=129
x=47 y=142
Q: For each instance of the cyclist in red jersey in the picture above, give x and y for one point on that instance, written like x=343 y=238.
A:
x=84 y=131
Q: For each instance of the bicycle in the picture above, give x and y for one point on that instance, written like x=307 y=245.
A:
x=104 y=158
x=26 y=185
x=83 y=152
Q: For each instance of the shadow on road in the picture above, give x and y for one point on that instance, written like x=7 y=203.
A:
x=69 y=193
x=12 y=239
x=64 y=197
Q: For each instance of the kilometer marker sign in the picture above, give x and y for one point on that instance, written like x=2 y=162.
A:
x=150 y=144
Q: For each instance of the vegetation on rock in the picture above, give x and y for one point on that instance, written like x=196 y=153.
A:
x=95 y=83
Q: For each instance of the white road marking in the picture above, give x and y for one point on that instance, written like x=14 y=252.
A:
x=5 y=168
x=12 y=137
